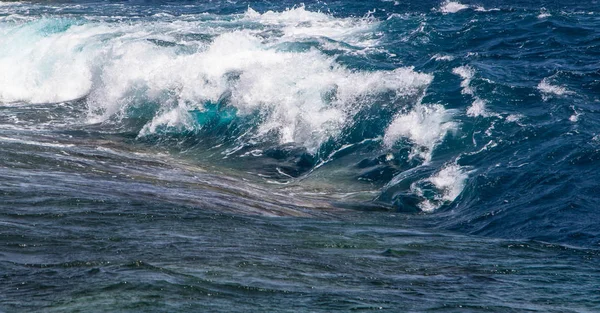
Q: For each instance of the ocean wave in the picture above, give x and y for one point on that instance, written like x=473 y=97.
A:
x=411 y=111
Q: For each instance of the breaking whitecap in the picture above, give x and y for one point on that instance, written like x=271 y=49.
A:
x=441 y=188
x=452 y=7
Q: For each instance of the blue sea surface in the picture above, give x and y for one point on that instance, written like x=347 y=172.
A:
x=278 y=156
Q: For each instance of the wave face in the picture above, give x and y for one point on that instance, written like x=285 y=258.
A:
x=483 y=119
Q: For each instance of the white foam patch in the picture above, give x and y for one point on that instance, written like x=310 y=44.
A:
x=513 y=118
x=466 y=73
x=477 y=108
x=425 y=126
x=176 y=118
x=51 y=70
x=575 y=117
x=294 y=16
x=442 y=57
x=483 y=9
x=548 y=89
x=449 y=182
x=452 y=7
x=543 y=14
x=299 y=23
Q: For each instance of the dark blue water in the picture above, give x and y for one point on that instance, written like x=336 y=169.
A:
x=271 y=156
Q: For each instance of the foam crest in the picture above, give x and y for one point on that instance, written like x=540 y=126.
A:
x=425 y=126
x=57 y=60
x=466 y=73
x=173 y=119
x=543 y=14
x=442 y=57
x=452 y=7
x=483 y=9
x=547 y=89
x=478 y=107
x=448 y=183
x=53 y=69
x=575 y=117
x=300 y=23
x=294 y=15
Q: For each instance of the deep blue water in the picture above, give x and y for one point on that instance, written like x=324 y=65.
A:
x=275 y=156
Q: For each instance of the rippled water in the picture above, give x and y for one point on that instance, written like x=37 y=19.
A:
x=274 y=156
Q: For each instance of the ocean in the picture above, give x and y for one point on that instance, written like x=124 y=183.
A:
x=279 y=156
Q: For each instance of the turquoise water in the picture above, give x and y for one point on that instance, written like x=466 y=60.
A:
x=273 y=156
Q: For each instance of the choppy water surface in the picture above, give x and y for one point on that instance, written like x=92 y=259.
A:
x=273 y=156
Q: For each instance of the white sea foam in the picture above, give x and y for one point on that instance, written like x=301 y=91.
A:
x=452 y=7
x=51 y=70
x=450 y=179
x=442 y=57
x=466 y=73
x=483 y=9
x=546 y=88
x=300 y=23
x=425 y=126
x=295 y=15
x=513 y=118
x=449 y=183
x=543 y=14
x=15 y=18
x=176 y=118
x=477 y=108
x=575 y=117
